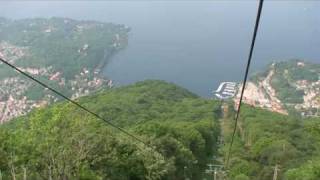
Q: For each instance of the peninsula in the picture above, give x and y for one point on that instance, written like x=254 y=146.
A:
x=66 y=54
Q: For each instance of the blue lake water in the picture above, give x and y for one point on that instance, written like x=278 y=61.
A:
x=196 y=44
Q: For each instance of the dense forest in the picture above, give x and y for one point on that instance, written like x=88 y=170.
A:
x=182 y=131
x=267 y=142
x=64 y=142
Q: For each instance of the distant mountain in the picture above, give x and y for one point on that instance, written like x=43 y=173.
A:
x=286 y=87
x=64 y=53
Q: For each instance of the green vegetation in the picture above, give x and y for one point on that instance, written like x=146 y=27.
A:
x=56 y=42
x=266 y=139
x=286 y=92
x=286 y=77
x=295 y=72
x=287 y=74
x=64 y=142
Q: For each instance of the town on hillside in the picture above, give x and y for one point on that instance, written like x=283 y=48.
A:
x=73 y=69
x=283 y=88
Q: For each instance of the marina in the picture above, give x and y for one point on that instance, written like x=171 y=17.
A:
x=226 y=90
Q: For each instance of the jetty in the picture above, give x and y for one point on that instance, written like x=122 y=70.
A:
x=226 y=90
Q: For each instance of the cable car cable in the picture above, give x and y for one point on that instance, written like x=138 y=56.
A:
x=74 y=102
x=256 y=27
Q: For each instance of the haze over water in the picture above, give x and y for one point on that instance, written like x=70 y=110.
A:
x=196 y=44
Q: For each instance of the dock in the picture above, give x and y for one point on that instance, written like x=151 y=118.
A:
x=226 y=90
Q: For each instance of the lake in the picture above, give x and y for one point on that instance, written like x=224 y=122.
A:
x=196 y=44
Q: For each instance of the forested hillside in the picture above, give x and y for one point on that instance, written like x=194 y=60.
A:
x=267 y=142
x=64 y=142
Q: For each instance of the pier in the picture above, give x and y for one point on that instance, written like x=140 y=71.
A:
x=226 y=90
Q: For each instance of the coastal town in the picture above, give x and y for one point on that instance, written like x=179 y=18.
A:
x=65 y=54
x=14 y=100
x=263 y=95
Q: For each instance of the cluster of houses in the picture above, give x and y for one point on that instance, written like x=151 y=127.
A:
x=311 y=99
x=11 y=52
x=12 y=101
x=85 y=83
